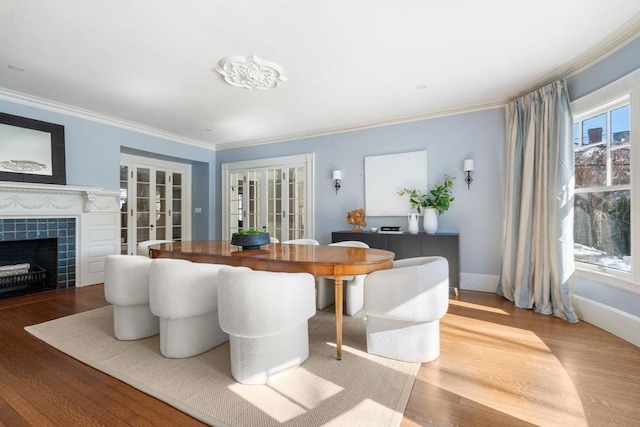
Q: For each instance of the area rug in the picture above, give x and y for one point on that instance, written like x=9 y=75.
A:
x=359 y=390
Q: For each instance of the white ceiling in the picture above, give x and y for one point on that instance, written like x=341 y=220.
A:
x=349 y=64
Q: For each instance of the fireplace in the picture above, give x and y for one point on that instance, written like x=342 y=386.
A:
x=28 y=266
x=83 y=222
x=49 y=243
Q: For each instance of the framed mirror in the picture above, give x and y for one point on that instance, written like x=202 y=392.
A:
x=31 y=151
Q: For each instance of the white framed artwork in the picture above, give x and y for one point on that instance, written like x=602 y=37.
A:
x=386 y=175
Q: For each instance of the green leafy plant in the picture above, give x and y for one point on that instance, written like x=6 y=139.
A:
x=440 y=196
x=250 y=232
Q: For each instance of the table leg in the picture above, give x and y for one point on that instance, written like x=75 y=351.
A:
x=338 y=300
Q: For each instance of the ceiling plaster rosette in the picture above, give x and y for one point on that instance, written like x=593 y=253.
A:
x=251 y=72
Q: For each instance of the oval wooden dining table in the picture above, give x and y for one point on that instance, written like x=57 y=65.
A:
x=336 y=261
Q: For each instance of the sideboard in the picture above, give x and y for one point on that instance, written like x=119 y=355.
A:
x=408 y=245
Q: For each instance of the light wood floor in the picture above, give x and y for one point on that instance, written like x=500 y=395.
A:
x=498 y=367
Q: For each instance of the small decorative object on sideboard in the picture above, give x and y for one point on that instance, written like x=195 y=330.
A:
x=391 y=229
x=413 y=222
x=437 y=201
x=356 y=218
x=250 y=239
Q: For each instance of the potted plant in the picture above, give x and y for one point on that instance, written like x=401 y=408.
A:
x=437 y=201
x=250 y=238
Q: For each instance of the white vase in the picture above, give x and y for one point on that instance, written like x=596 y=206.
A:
x=413 y=223
x=430 y=224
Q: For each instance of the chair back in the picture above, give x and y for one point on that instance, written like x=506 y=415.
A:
x=311 y=242
x=143 y=247
x=351 y=244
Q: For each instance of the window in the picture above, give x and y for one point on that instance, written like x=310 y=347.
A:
x=605 y=140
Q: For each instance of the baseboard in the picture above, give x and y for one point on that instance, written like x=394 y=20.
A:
x=617 y=322
x=479 y=282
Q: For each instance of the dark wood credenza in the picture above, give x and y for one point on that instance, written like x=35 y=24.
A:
x=408 y=245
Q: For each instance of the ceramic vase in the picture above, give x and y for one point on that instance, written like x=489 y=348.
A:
x=413 y=223
x=430 y=224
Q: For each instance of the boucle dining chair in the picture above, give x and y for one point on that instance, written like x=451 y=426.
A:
x=266 y=316
x=126 y=286
x=184 y=295
x=353 y=287
x=143 y=247
x=311 y=242
x=404 y=306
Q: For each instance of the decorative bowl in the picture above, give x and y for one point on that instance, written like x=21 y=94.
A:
x=250 y=241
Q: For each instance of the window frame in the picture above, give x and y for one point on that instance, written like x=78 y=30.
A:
x=626 y=89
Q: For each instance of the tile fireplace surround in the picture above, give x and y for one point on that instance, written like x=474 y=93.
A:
x=94 y=212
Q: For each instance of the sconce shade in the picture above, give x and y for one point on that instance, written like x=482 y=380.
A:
x=469 y=165
x=337 y=174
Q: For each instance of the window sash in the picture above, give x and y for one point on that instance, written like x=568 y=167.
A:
x=625 y=91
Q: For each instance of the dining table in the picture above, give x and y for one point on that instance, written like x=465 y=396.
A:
x=318 y=260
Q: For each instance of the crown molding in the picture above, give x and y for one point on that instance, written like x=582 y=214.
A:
x=614 y=42
x=359 y=126
x=57 y=107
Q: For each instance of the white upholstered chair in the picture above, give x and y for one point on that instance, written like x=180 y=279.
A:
x=126 y=286
x=404 y=306
x=301 y=242
x=266 y=316
x=353 y=287
x=143 y=247
x=184 y=295
x=312 y=242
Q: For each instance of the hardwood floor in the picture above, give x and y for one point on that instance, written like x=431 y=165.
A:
x=498 y=367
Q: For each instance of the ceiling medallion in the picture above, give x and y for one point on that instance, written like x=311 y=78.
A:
x=251 y=72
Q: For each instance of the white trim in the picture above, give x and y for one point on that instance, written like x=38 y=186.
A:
x=617 y=322
x=607 y=94
x=627 y=86
x=607 y=276
x=479 y=282
x=616 y=41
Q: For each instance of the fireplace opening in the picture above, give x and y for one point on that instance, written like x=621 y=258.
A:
x=28 y=266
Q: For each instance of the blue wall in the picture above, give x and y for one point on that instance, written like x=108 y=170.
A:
x=93 y=156
x=476 y=213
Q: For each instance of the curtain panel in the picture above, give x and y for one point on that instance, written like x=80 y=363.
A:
x=538 y=266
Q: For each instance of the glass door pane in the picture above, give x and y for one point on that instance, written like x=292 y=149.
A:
x=143 y=204
x=236 y=209
x=296 y=202
x=274 y=204
x=176 y=215
x=252 y=200
x=124 y=210
x=161 y=205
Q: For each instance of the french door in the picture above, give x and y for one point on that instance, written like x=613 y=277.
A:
x=154 y=202
x=269 y=194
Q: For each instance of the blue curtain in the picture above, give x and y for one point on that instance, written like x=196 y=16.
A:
x=538 y=266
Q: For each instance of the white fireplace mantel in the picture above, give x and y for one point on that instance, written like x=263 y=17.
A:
x=97 y=216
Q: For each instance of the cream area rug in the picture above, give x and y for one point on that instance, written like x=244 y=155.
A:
x=359 y=390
